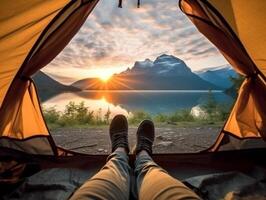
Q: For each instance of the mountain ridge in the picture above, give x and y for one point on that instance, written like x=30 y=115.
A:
x=166 y=72
x=219 y=76
x=48 y=87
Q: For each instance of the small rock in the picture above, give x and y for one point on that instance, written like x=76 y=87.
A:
x=171 y=132
x=165 y=143
x=163 y=138
x=98 y=131
x=172 y=123
x=159 y=137
x=100 y=150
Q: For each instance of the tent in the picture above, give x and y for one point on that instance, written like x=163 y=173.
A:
x=34 y=32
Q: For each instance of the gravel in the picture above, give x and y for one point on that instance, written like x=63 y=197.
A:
x=169 y=139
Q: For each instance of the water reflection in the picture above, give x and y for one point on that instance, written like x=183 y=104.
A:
x=126 y=102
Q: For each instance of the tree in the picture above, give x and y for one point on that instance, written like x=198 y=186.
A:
x=210 y=105
x=236 y=83
x=107 y=116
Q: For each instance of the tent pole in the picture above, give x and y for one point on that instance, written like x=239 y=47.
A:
x=120 y=4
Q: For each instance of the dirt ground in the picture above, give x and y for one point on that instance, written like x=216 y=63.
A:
x=169 y=139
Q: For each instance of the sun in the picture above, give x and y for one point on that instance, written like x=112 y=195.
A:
x=105 y=76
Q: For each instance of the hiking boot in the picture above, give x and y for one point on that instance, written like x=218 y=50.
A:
x=145 y=137
x=119 y=132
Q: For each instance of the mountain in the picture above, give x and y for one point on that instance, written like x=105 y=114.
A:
x=165 y=73
x=218 y=76
x=48 y=87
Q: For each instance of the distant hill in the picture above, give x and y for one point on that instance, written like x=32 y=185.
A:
x=48 y=87
x=165 y=73
x=218 y=76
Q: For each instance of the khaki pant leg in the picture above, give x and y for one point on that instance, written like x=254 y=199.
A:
x=111 y=182
x=155 y=183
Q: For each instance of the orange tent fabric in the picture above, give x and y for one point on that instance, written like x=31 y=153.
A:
x=227 y=24
x=35 y=31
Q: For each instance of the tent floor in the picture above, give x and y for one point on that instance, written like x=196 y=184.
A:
x=181 y=166
x=178 y=165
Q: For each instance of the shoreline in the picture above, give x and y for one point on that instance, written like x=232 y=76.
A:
x=168 y=138
x=152 y=91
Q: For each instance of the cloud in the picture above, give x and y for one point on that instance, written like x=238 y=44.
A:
x=116 y=38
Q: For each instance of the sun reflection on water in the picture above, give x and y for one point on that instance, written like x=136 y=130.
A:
x=97 y=105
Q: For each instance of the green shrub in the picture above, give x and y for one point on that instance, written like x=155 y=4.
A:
x=186 y=115
x=76 y=114
x=161 y=118
x=138 y=116
x=215 y=111
x=51 y=115
x=181 y=115
x=223 y=111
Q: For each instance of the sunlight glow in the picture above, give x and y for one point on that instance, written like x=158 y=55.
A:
x=105 y=76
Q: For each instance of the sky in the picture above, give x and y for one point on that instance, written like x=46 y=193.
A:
x=112 y=39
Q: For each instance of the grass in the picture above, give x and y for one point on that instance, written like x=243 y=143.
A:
x=78 y=115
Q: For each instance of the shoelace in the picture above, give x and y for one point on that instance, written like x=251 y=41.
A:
x=145 y=143
x=119 y=138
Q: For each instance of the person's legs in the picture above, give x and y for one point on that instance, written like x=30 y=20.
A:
x=151 y=180
x=155 y=183
x=113 y=180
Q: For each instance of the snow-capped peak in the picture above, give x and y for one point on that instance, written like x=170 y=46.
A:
x=164 y=65
x=222 y=67
x=144 y=64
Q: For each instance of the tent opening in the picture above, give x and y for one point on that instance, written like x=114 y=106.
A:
x=147 y=62
x=140 y=63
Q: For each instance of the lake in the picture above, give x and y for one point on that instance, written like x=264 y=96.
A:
x=126 y=102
